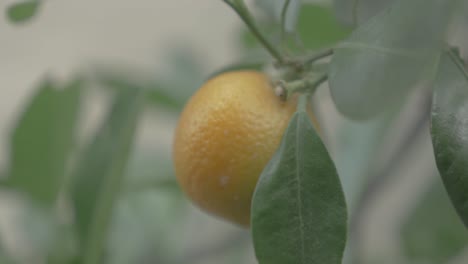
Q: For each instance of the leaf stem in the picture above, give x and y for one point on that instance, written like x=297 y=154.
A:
x=319 y=55
x=241 y=9
x=458 y=62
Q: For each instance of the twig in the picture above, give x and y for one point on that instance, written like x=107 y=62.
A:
x=241 y=9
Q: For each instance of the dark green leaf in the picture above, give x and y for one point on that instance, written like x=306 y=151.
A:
x=433 y=233
x=100 y=172
x=375 y=68
x=22 y=11
x=449 y=129
x=42 y=141
x=298 y=210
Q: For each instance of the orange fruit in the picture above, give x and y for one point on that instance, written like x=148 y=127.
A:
x=226 y=135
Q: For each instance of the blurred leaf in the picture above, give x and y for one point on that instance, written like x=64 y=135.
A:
x=356 y=12
x=150 y=170
x=170 y=89
x=42 y=141
x=449 y=130
x=143 y=227
x=275 y=9
x=249 y=41
x=100 y=172
x=22 y=11
x=5 y=260
x=4 y=256
x=433 y=233
x=45 y=236
x=358 y=144
x=298 y=209
x=154 y=94
x=318 y=27
x=185 y=72
x=64 y=247
x=389 y=55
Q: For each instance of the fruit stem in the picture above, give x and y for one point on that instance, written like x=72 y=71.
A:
x=241 y=9
x=302 y=104
x=308 y=85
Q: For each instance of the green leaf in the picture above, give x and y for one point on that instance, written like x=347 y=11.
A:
x=356 y=12
x=100 y=172
x=275 y=9
x=449 y=130
x=375 y=68
x=42 y=140
x=433 y=233
x=298 y=210
x=318 y=27
x=22 y=11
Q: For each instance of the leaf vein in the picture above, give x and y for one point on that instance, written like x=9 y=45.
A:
x=299 y=171
x=405 y=53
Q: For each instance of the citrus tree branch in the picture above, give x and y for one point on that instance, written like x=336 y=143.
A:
x=241 y=9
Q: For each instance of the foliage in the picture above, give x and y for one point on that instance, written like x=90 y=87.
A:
x=79 y=197
x=23 y=11
x=299 y=182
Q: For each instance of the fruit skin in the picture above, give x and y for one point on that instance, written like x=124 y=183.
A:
x=226 y=135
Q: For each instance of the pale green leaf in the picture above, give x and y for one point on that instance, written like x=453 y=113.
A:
x=376 y=67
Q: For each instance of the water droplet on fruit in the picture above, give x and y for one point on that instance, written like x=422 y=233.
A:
x=223 y=180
